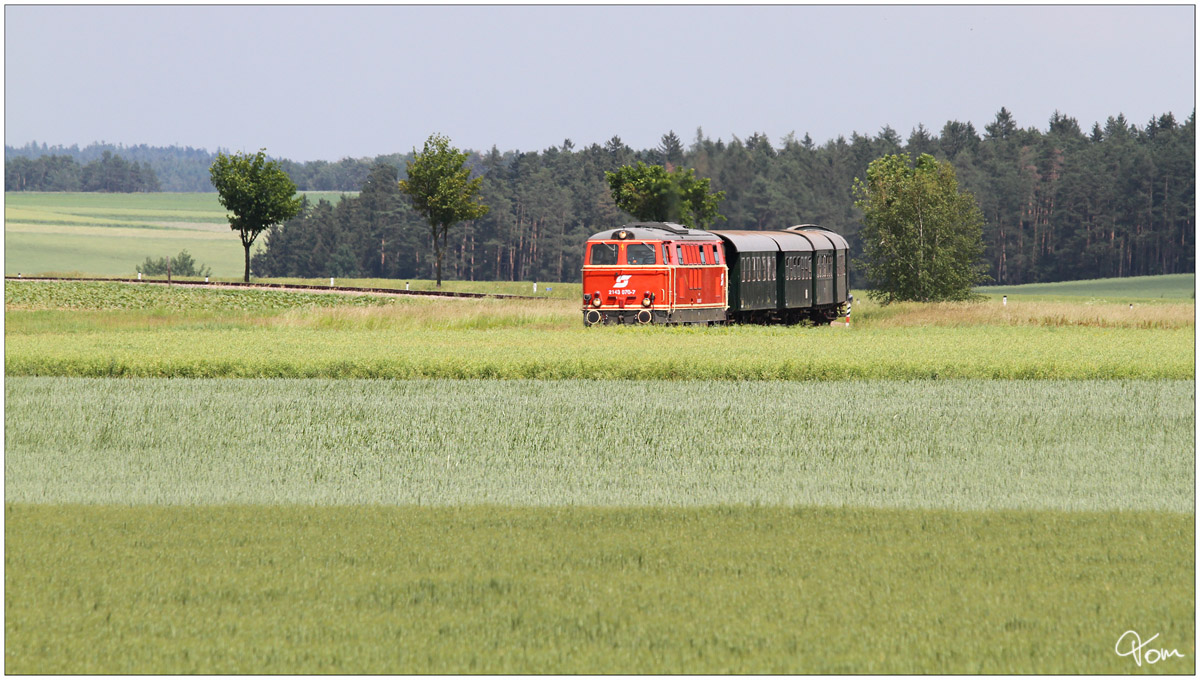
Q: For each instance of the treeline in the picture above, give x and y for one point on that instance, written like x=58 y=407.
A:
x=181 y=169
x=185 y=169
x=1064 y=204
x=348 y=174
x=1059 y=205
x=109 y=173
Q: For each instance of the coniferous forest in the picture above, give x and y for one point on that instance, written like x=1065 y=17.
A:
x=1059 y=204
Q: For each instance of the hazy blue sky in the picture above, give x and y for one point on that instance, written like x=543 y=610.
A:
x=330 y=82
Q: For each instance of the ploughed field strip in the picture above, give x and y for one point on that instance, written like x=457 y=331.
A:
x=308 y=288
x=1069 y=445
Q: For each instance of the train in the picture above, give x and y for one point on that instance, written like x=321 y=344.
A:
x=667 y=273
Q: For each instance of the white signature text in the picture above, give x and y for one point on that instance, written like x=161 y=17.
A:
x=1135 y=646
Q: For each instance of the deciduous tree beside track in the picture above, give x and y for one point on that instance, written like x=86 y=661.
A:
x=258 y=193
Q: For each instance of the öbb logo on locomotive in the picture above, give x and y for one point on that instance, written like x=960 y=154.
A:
x=666 y=273
x=619 y=285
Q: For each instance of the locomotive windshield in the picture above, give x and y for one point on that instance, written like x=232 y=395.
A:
x=639 y=253
x=604 y=253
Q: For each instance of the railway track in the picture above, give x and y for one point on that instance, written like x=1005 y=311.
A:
x=284 y=286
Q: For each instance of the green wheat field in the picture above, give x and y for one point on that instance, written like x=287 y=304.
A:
x=234 y=481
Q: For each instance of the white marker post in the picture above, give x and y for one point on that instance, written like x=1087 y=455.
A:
x=1005 y=300
x=331 y=282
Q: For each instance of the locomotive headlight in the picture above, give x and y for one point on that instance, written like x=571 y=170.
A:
x=646 y=300
x=596 y=299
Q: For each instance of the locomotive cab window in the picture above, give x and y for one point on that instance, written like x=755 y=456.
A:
x=604 y=253
x=702 y=260
x=678 y=254
x=716 y=255
x=666 y=253
x=639 y=253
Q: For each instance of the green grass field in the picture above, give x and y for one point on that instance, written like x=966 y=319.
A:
x=1137 y=288
x=191 y=332
x=482 y=589
x=952 y=488
x=110 y=234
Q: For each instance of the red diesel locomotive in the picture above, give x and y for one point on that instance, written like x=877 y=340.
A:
x=660 y=272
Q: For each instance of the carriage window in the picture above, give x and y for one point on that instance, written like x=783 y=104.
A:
x=604 y=253
x=639 y=253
